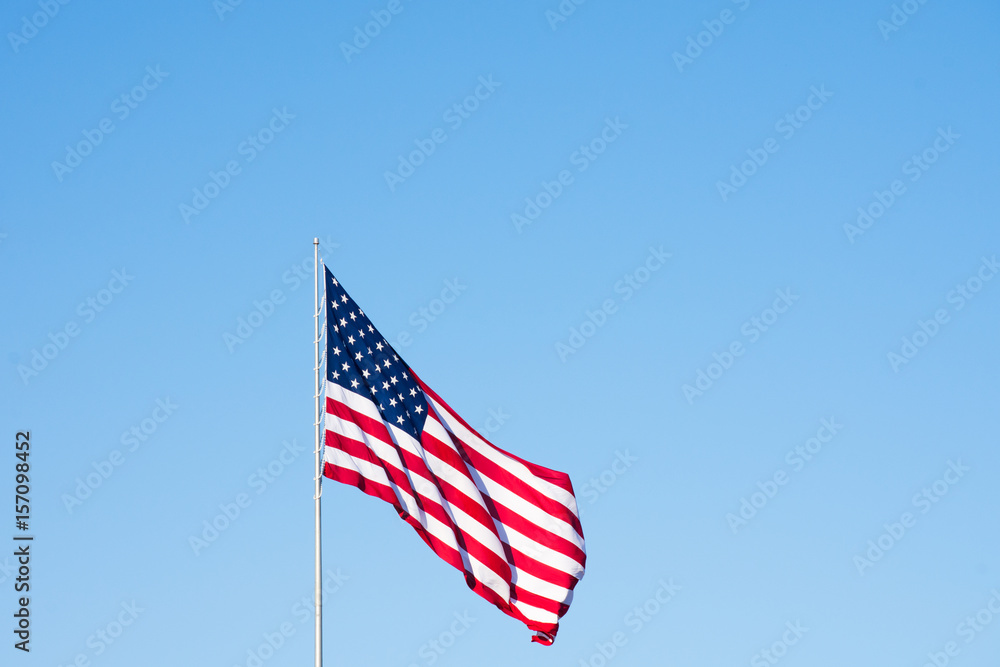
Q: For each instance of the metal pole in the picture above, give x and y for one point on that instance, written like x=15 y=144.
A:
x=319 y=466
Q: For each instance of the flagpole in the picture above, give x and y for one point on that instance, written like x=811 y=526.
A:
x=319 y=470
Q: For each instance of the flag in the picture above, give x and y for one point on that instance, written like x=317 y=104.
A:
x=512 y=527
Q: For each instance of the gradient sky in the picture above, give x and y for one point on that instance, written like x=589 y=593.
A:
x=244 y=134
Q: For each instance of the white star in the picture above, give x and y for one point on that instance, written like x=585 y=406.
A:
x=413 y=392
x=334 y=304
x=336 y=375
x=400 y=396
x=374 y=389
x=405 y=377
x=378 y=346
x=344 y=298
x=354 y=384
x=385 y=385
x=369 y=352
x=393 y=402
x=395 y=357
x=378 y=368
x=371 y=329
x=353 y=317
x=346 y=366
x=343 y=322
x=335 y=282
x=336 y=351
x=399 y=419
x=365 y=373
x=359 y=356
x=393 y=379
x=361 y=332
x=350 y=340
x=387 y=363
x=418 y=409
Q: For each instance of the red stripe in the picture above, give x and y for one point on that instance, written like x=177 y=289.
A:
x=545 y=603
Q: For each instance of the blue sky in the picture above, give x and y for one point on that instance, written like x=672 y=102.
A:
x=814 y=184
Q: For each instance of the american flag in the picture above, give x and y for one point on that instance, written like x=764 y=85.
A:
x=512 y=527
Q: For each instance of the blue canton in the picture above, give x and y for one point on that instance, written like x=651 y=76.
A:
x=359 y=359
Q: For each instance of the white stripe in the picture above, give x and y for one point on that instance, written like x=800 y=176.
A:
x=544 y=554
x=353 y=400
x=527 y=582
x=534 y=613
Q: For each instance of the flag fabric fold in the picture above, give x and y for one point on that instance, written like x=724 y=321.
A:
x=512 y=527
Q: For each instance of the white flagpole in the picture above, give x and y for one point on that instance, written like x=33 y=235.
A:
x=319 y=468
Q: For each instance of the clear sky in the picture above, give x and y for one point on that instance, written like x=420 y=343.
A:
x=728 y=264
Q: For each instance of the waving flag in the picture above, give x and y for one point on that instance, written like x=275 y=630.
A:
x=510 y=526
